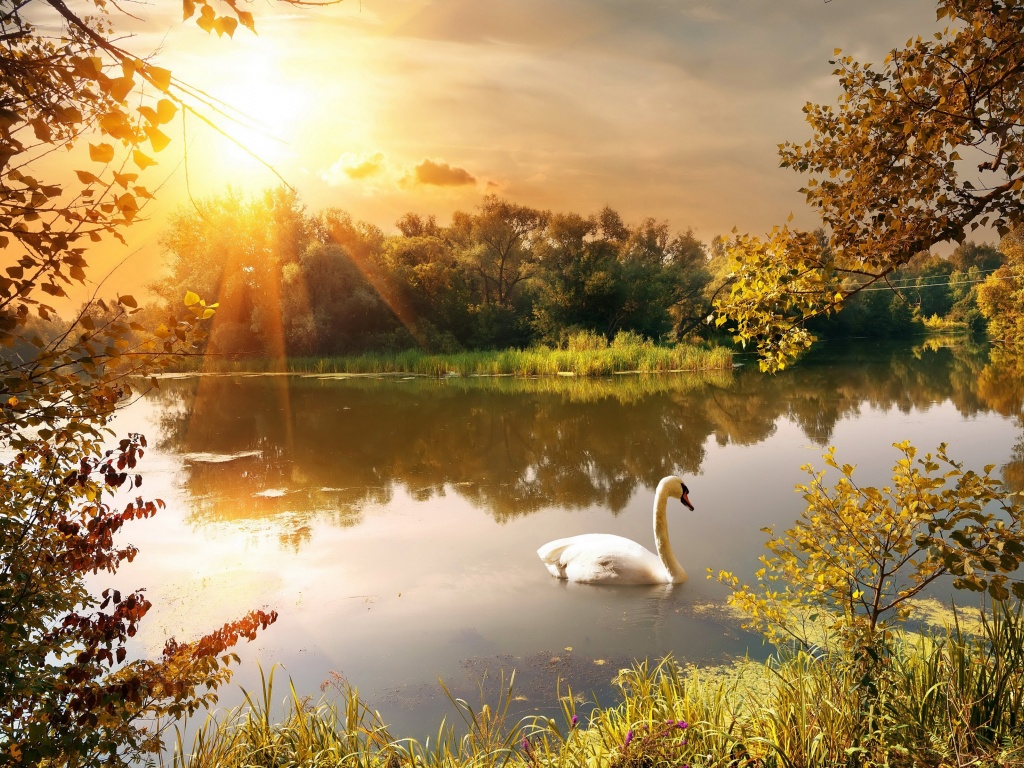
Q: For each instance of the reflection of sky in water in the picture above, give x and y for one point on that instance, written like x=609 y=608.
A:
x=428 y=568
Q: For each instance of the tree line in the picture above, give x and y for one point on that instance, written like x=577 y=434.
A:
x=291 y=282
x=504 y=275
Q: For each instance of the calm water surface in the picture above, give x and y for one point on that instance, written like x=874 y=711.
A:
x=393 y=522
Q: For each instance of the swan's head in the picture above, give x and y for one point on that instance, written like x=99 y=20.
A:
x=677 y=489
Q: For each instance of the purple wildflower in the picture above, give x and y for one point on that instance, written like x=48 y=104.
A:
x=683 y=724
x=574 y=721
x=629 y=737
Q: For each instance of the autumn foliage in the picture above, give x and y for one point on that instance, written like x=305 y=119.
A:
x=69 y=692
x=915 y=153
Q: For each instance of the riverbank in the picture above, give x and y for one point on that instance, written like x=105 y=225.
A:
x=588 y=356
x=950 y=697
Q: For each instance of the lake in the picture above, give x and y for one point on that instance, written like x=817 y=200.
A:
x=393 y=522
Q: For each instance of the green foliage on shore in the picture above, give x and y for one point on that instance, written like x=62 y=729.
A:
x=585 y=354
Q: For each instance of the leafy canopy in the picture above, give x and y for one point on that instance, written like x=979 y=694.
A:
x=917 y=152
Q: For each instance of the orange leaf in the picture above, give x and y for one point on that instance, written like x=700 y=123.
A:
x=159 y=76
x=165 y=111
x=121 y=87
x=124 y=178
x=126 y=203
x=87 y=178
x=101 y=153
x=150 y=114
x=141 y=160
x=157 y=138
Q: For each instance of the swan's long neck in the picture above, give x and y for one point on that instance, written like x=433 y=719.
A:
x=661 y=541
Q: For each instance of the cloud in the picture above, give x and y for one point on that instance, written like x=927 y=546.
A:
x=357 y=167
x=441 y=175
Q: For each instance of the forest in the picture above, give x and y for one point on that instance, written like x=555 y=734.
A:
x=504 y=275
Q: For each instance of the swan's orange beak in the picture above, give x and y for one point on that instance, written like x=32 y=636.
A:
x=686 y=501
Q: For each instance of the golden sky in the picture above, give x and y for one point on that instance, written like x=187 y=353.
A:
x=664 y=108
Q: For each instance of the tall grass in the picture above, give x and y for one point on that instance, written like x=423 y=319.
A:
x=951 y=699
x=582 y=356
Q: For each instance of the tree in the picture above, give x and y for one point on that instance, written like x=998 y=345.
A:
x=236 y=249
x=68 y=695
x=430 y=283
x=498 y=245
x=1000 y=297
x=857 y=555
x=916 y=153
x=579 y=279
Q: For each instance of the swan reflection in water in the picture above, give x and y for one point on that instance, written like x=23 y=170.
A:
x=603 y=558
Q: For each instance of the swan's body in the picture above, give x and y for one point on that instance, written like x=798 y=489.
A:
x=603 y=558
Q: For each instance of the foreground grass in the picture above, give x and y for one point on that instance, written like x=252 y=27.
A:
x=584 y=355
x=948 y=700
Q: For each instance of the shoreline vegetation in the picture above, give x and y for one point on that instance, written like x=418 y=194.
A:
x=948 y=697
x=585 y=354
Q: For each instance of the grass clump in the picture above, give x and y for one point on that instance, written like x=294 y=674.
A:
x=584 y=354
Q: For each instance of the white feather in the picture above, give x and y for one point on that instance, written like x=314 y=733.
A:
x=603 y=558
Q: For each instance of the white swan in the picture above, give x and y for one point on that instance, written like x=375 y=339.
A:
x=603 y=558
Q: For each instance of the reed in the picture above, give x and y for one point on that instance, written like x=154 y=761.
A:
x=627 y=353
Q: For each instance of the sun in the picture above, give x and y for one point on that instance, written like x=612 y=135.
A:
x=259 y=110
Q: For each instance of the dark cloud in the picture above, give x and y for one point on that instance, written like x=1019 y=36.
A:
x=442 y=174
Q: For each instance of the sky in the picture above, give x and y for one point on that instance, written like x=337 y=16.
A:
x=671 y=109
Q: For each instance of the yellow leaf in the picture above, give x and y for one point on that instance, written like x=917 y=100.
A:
x=121 y=87
x=191 y=298
x=141 y=160
x=225 y=24
x=101 y=153
x=206 y=19
x=157 y=138
x=159 y=77
x=165 y=111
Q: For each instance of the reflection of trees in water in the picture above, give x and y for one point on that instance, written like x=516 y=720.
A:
x=1001 y=384
x=513 y=446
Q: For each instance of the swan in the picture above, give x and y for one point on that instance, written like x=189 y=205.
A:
x=603 y=558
